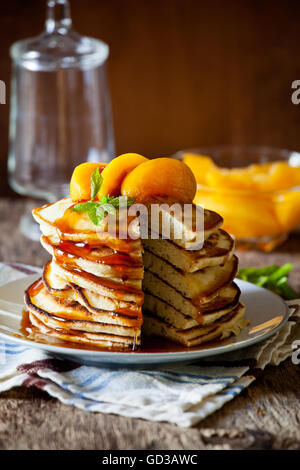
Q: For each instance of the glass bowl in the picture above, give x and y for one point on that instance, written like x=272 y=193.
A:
x=257 y=216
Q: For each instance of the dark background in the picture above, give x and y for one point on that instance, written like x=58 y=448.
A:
x=182 y=72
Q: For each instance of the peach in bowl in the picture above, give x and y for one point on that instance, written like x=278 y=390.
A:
x=255 y=189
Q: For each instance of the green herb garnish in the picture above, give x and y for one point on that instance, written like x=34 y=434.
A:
x=97 y=210
x=96 y=183
x=271 y=277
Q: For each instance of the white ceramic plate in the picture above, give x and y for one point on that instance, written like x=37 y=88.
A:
x=265 y=311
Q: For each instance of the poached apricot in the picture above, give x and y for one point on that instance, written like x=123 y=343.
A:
x=116 y=170
x=160 y=177
x=80 y=185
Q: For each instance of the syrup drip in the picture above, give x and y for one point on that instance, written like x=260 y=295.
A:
x=69 y=260
x=84 y=249
x=36 y=287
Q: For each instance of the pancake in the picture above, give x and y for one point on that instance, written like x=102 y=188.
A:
x=107 y=288
x=232 y=323
x=58 y=222
x=155 y=286
x=216 y=250
x=195 y=285
x=212 y=311
x=40 y=301
x=94 y=302
x=41 y=332
x=93 y=263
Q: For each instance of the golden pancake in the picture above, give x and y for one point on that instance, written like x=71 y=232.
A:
x=195 y=285
x=94 y=302
x=232 y=323
x=99 y=340
x=40 y=301
x=212 y=311
x=94 y=265
x=216 y=250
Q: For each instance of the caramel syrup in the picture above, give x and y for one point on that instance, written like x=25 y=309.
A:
x=84 y=249
x=36 y=287
x=119 y=288
x=30 y=332
x=119 y=270
x=135 y=316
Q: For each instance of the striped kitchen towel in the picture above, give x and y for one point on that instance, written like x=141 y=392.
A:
x=182 y=395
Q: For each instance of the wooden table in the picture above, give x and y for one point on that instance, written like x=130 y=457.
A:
x=265 y=416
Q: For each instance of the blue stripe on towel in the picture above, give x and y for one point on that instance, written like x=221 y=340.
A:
x=199 y=377
x=20 y=351
x=182 y=379
x=107 y=381
x=204 y=377
x=12 y=345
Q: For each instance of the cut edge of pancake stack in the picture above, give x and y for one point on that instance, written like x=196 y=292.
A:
x=190 y=295
x=90 y=292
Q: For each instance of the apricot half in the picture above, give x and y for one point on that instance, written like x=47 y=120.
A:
x=116 y=170
x=80 y=185
x=160 y=177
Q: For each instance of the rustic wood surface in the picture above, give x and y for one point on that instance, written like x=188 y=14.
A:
x=265 y=416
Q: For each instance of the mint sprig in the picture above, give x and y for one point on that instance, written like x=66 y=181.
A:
x=97 y=210
x=96 y=183
x=271 y=277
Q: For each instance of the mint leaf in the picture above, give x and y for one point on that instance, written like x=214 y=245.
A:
x=114 y=201
x=271 y=277
x=92 y=214
x=108 y=208
x=130 y=201
x=104 y=209
x=104 y=199
x=83 y=206
x=122 y=201
x=96 y=183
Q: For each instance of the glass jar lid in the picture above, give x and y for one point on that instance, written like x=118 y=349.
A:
x=59 y=46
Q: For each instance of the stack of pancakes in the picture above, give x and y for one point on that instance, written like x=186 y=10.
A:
x=91 y=290
x=190 y=295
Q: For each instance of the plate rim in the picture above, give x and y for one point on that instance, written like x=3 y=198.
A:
x=169 y=356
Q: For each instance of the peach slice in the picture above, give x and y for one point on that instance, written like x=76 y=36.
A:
x=288 y=208
x=80 y=185
x=160 y=177
x=245 y=215
x=200 y=166
x=271 y=176
x=116 y=171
